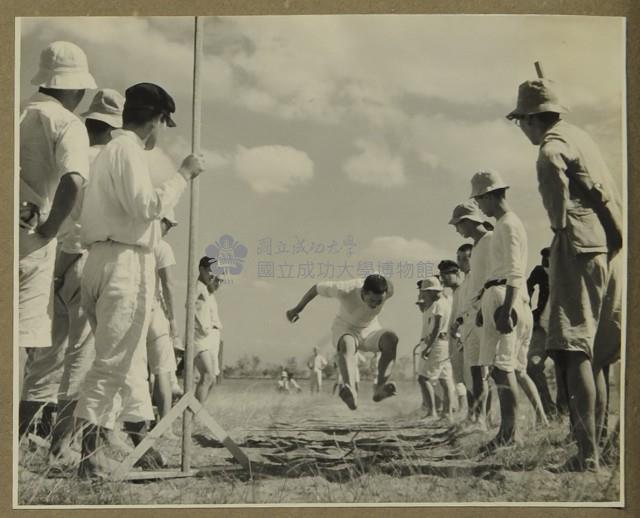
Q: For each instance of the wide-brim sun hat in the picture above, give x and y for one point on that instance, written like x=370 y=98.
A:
x=486 y=181
x=537 y=96
x=64 y=66
x=107 y=106
x=467 y=210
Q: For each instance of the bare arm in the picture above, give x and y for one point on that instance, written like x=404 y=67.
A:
x=166 y=281
x=63 y=202
x=431 y=339
x=503 y=322
x=292 y=314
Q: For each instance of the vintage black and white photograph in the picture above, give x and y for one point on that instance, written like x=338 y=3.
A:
x=320 y=260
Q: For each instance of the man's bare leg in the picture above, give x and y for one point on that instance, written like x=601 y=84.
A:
x=582 y=402
x=388 y=345
x=162 y=393
x=428 y=397
x=347 y=364
x=204 y=364
x=450 y=391
x=507 y=386
x=531 y=391
x=480 y=394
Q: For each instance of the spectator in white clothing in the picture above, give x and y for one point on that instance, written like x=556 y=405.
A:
x=119 y=219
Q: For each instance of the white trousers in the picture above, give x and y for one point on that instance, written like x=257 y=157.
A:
x=118 y=289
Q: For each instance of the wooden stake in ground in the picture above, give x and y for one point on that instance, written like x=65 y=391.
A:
x=193 y=236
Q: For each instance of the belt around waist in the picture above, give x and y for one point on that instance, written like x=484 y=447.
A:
x=494 y=282
x=111 y=242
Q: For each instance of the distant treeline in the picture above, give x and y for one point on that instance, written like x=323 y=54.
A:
x=252 y=366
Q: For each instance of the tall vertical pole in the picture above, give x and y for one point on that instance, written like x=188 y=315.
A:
x=193 y=237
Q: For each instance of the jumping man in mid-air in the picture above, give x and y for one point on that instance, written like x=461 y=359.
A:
x=356 y=326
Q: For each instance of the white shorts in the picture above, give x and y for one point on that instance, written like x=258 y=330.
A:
x=525 y=334
x=210 y=343
x=57 y=372
x=367 y=339
x=35 y=293
x=160 y=355
x=497 y=349
x=435 y=370
x=471 y=336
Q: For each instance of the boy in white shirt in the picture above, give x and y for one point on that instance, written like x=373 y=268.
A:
x=162 y=328
x=435 y=365
x=470 y=223
x=207 y=329
x=506 y=314
x=356 y=326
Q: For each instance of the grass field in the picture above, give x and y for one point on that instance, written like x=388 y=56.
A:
x=246 y=409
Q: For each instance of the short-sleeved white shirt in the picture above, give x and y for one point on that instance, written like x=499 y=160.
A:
x=53 y=142
x=508 y=251
x=441 y=308
x=164 y=258
x=70 y=235
x=207 y=317
x=474 y=281
x=164 y=255
x=353 y=313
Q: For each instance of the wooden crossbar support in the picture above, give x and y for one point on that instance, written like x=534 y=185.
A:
x=189 y=403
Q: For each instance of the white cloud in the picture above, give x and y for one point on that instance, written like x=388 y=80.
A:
x=398 y=248
x=322 y=68
x=272 y=168
x=375 y=165
x=462 y=148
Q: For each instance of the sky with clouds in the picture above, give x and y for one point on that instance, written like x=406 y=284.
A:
x=337 y=144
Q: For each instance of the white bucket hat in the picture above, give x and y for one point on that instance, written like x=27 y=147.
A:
x=64 y=66
x=430 y=284
x=486 y=181
x=467 y=210
x=107 y=106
